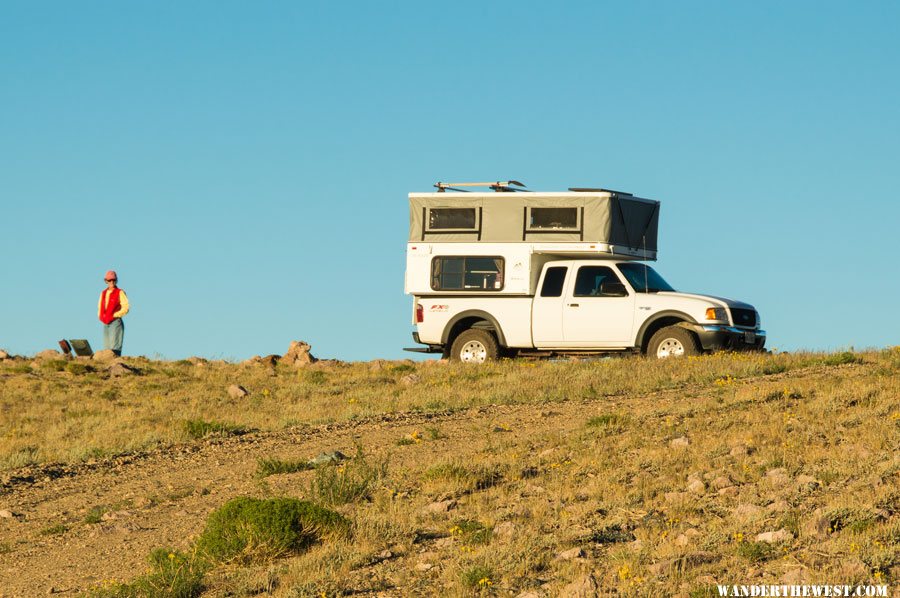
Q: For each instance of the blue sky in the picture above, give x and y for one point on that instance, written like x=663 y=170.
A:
x=244 y=166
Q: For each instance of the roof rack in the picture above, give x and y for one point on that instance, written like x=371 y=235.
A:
x=498 y=186
x=597 y=190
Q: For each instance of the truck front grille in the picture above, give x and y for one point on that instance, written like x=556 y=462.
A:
x=743 y=317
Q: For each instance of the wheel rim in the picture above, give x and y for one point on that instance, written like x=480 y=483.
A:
x=670 y=347
x=473 y=352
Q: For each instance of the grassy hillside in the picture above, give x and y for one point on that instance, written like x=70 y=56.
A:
x=643 y=476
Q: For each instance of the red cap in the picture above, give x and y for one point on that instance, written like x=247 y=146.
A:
x=111 y=275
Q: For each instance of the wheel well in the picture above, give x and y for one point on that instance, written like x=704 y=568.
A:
x=465 y=324
x=655 y=326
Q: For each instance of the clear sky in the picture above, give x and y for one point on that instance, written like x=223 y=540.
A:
x=244 y=166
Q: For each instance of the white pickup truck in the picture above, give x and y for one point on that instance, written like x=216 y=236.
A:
x=587 y=306
x=502 y=274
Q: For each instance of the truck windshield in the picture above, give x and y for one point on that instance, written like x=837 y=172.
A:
x=644 y=279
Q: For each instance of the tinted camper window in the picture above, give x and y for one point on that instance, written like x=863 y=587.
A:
x=452 y=219
x=553 y=219
x=467 y=273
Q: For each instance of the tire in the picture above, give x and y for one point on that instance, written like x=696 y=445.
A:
x=672 y=341
x=475 y=346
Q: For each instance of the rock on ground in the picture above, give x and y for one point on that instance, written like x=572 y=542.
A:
x=118 y=369
x=298 y=354
x=583 y=587
x=235 y=391
x=775 y=537
x=48 y=354
x=104 y=355
x=3 y=355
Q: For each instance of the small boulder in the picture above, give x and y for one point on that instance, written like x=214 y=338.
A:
x=326 y=458
x=104 y=355
x=441 y=506
x=739 y=451
x=583 y=587
x=298 y=354
x=728 y=491
x=409 y=379
x=685 y=538
x=423 y=567
x=3 y=355
x=676 y=497
x=748 y=512
x=680 y=442
x=236 y=391
x=721 y=482
x=7 y=514
x=696 y=486
x=119 y=369
x=775 y=537
x=572 y=553
x=778 y=478
x=817 y=526
x=48 y=354
x=197 y=360
x=504 y=531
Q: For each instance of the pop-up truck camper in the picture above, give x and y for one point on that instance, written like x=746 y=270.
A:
x=504 y=271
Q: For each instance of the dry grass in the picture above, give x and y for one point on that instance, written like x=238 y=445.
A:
x=805 y=443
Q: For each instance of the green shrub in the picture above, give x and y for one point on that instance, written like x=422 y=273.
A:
x=54 y=365
x=347 y=482
x=21 y=368
x=843 y=358
x=78 y=369
x=55 y=530
x=95 y=514
x=198 y=428
x=755 y=552
x=250 y=529
x=471 y=531
x=477 y=577
x=267 y=467
x=468 y=478
x=608 y=423
x=173 y=574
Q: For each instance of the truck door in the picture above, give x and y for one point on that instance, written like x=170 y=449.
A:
x=598 y=309
x=547 y=309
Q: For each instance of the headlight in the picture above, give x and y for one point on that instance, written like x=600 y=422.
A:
x=758 y=321
x=717 y=313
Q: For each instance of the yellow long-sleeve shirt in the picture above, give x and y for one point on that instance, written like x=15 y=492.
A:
x=123 y=302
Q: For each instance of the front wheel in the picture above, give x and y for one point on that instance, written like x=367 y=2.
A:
x=475 y=346
x=672 y=341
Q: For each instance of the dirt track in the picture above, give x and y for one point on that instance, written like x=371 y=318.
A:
x=163 y=498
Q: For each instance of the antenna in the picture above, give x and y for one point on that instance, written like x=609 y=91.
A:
x=498 y=186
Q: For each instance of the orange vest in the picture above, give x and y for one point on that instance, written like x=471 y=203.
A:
x=112 y=305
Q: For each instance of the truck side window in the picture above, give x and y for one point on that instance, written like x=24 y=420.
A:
x=553 y=281
x=589 y=279
x=467 y=273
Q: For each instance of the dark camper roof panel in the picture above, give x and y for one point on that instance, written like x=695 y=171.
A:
x=606 y=217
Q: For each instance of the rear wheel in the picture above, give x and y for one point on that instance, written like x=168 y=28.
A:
x=672 y=341
x=475 y=346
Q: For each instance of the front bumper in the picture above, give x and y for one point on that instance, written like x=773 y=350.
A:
x=715 y=337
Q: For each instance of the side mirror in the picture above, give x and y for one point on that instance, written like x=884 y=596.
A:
x=613 y=288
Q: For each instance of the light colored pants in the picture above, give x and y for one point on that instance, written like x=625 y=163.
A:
x=113 y=335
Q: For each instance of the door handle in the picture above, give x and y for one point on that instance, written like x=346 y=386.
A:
x=573 y=305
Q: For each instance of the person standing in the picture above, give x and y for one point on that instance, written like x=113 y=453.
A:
x=112 y=306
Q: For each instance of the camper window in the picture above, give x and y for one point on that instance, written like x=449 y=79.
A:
x=467 y=273
x=452 y=219
x=552 y=218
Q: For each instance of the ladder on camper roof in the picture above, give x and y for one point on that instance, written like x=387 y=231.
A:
x=498 y=186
